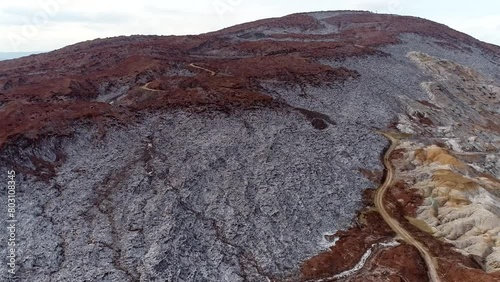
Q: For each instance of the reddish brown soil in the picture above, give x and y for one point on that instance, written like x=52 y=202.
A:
x=373 y=176
x=300 y=21
x=401 y=263
x=409 y=201
x=350 y=247
x=397 y=154
x=391 y=26
x=63 y=85
x=32 y=119
x=422 y=119
x=318 y=49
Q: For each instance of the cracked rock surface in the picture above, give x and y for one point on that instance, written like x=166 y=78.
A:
x=189 y=198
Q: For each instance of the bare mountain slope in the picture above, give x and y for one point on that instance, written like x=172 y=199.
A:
x=248 y=154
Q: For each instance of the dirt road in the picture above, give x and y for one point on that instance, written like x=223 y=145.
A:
x=393 y=223
x=146 y=87
x=212 y=73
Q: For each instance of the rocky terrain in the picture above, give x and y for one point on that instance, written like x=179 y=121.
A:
x=457 y=170
x=251 y=153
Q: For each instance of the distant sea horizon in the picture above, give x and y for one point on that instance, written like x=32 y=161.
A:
x=14 y=55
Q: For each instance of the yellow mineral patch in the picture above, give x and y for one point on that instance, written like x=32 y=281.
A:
x=435 y=154
x=420 y=155
x=453 y=180
x=441 y=191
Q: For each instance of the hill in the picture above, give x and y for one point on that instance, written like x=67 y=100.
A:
x=251 y=153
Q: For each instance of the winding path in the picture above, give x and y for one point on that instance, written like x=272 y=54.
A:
x=393 y=223
x=146 y=87
x=212 y=73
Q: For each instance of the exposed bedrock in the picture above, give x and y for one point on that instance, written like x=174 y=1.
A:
x=238 y=155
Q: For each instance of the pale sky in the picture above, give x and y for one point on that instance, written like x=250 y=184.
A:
x=44 y=25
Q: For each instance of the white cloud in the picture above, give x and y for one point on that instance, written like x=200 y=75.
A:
x=484 y=28
x=376 y=5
